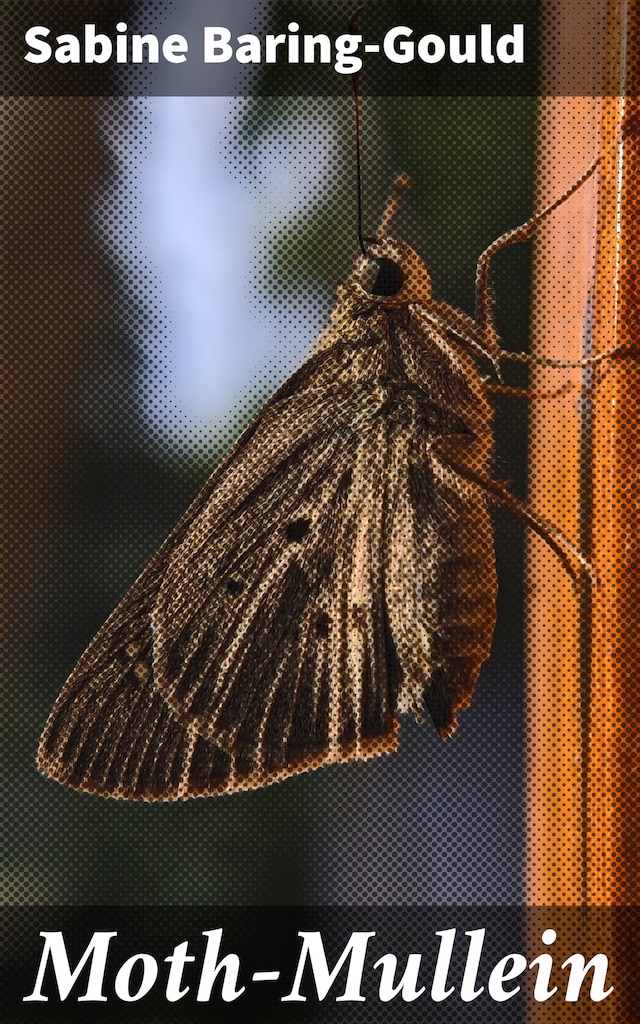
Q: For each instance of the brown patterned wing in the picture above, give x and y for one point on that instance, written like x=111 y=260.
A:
x=139 y=717
x=271 y=631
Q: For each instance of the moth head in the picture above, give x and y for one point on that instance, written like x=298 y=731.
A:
x=392 y=272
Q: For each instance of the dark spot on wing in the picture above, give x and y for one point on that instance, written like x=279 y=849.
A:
x=322 y=625
x=296 y=530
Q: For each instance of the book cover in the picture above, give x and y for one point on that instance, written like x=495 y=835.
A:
x=321 y=371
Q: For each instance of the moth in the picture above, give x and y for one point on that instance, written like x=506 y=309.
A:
x=336 y=571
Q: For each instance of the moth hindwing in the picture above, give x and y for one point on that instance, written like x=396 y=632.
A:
x=336 y=570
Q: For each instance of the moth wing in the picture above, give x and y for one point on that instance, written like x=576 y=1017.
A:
x=111 y=733
x=270 y=628
x=111 y=730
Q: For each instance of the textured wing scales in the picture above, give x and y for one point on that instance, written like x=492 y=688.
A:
x=297 y=660
x=129 y=724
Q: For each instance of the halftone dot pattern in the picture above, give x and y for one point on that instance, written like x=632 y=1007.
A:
x=432 y=823
x=442 y=822
x=497 y=929
x=83 y=306
x=431 y=800
x=287 y=265
x=581 y=740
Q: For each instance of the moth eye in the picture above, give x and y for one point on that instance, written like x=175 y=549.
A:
x=322 y=625
x=297 y=529
x=234 y=586
x=388 y=280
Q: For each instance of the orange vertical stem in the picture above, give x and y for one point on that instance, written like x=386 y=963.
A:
x=585 y=662
x=563 y=286
x=584 y=656
x=614 y=723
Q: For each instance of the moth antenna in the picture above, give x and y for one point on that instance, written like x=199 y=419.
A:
x=355 y=85
x=399 y=187
x=401 y=183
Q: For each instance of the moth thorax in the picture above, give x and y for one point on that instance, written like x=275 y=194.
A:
x=393 y=272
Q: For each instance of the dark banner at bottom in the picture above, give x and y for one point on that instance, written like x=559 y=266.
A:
x=144 y=964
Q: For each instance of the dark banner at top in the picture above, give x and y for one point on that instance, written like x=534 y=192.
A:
x=196 y=48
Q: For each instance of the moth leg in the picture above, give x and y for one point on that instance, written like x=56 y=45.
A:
x=571 y=557
x=483 y=311
x=483 y=301
x=570 y=364
x=586 y=391
x=509 y=392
